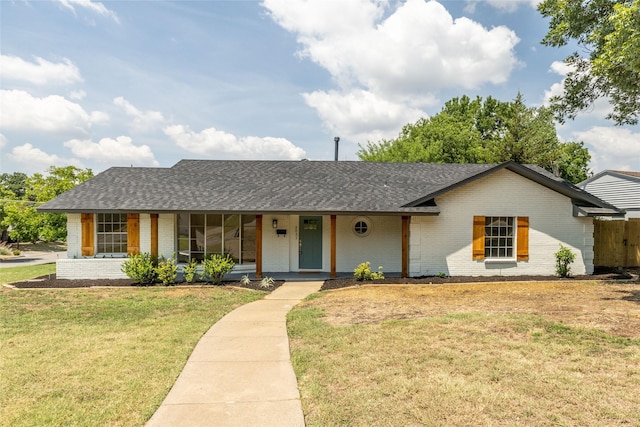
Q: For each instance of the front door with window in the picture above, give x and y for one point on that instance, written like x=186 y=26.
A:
x=310 y=244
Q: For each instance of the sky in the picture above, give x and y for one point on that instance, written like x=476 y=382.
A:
x=147 y=83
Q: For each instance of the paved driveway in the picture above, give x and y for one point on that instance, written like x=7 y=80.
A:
x=31 y=258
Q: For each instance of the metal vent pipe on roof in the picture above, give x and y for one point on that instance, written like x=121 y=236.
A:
x=336 y=140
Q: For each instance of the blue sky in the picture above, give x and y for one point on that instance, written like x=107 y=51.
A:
x=146 y=83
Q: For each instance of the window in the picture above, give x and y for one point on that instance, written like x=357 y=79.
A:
x=112 y=233
x=498 y=237
x=362 y=226
x=201 y=235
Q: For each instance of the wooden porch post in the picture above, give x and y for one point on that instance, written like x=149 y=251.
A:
x=258 y=246
x=405 y=246
x=333 y=246
x=154 y=235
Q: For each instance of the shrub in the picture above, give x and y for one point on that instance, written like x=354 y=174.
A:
x=167 y=271
x=189 y=271
x=363 y=272
x=16 y=252
x=216 y=267
x=4 y=250
x=245 y=280
x=564 y=257
x=140 y=267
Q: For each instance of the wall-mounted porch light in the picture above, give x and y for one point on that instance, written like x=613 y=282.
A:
x=274 y=223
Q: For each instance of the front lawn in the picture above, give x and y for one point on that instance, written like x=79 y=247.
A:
x=88 y=357
x=15 y=274
x=476 y=354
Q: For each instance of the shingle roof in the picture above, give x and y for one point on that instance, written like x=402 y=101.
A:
x=278 y=186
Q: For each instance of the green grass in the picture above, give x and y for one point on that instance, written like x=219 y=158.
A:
x=87 y=357
x=463 y=369
x=15 y=274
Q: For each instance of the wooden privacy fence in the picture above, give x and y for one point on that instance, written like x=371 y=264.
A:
x=617 y=243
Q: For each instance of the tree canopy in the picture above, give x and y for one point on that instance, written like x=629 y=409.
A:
x=609 y=31
x=485 y=131
x=20 y=194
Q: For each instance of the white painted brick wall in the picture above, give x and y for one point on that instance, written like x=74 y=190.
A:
x=74 y=235
x=90 y=268
x=275 y=249
x=145 y=233
x=166 y=235
x=443 y=243
x=383 y=245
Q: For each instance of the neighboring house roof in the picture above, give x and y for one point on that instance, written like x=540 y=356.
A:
x=290 y=187
x=619 y=188
x=634 y=174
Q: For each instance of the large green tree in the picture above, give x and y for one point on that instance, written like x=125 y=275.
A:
x=608 y=34
x=26 y=223
x=485 y=131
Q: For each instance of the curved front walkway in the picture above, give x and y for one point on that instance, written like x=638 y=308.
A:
x=240 y=373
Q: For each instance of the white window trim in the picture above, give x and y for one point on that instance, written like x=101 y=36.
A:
x=511 y=259
x=99 y=254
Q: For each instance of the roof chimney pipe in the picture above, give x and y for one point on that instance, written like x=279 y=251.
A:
x=336 y=140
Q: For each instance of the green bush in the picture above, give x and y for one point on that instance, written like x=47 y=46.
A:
x=564 y=257
x=363 y=272
x=189 y=271
x=140 y=268
x=167 y=271
x=216 y=267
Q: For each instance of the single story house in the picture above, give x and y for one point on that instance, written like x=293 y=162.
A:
x=618 y=188
x=413 y=219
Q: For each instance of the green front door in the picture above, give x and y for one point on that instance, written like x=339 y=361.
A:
x=310 y=248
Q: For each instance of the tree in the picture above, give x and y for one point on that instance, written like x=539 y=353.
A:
x=485 y=131
x=609 y=31
x=27 y=224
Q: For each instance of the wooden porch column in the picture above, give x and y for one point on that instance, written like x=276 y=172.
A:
x=154 y=235
x=258 y=246
x=405 y=246
x=333 y=247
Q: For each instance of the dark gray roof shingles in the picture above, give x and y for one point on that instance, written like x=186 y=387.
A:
x=265 y=186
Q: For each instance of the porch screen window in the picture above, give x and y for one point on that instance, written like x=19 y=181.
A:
x=111 y=233
x=203 y=235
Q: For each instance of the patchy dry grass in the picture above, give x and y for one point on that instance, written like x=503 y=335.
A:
x=480 y=354
x=88 y=357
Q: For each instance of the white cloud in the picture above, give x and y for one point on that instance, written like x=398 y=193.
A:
x=40 y=72
x=220 y=144
x=142 y=120
x=506 y=6
x=612 y=148
x=95 y=7
x=32 y=159
x=77 y=95
x=113 y=151
x=21 y=111
x=419 y=48
x=360 y=115
x=401 y=57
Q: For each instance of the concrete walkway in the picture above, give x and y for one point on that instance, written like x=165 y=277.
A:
x=240 y=373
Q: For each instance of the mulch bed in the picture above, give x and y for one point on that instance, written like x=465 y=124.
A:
x=604 y=275
x=45 y=282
